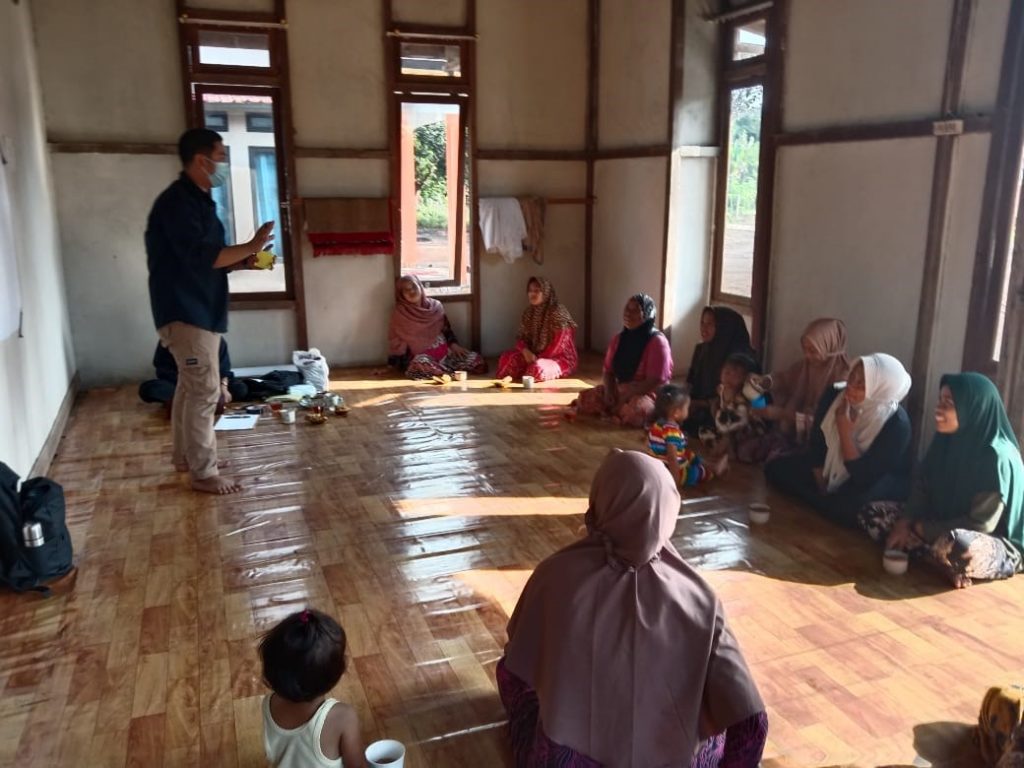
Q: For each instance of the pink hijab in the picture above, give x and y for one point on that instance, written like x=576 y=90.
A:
x=801 y=387
x=414 y=326
x=624 y=643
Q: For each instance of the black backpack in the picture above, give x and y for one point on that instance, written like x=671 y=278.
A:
x=40 y=501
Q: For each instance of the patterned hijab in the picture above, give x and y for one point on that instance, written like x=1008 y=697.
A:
x=805 y=382
x=625 y=644
x=540 y=324
x=632 y=343
x=414 y=327
x=982 y=456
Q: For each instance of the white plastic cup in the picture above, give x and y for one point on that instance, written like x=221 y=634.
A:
x=895 y=562
x=461 y=375
x=287 y=415
x=528 y=382
x=387 y=753
x=760 y=513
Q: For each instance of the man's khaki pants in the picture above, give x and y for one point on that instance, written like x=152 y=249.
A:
x=196 y=352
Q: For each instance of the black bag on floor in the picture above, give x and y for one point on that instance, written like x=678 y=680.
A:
x=271 y=384
x=46 y=554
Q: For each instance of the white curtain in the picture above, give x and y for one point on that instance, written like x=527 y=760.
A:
x=10 y=287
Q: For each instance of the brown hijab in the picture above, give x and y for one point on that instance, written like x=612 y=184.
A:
x=800 y=387
x=540 y=324
x=414 y=327
x=624 y=643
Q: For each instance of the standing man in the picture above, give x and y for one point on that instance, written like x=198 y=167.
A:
x=188 y=290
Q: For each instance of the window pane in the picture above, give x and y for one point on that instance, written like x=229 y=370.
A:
x=430 y=149
x=431 y=60
x=741 y=190
x=251 y=197
x=749 y=40
x=217 y=121
x=234 y=49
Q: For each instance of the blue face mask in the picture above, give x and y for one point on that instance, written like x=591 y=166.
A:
x=220 y=175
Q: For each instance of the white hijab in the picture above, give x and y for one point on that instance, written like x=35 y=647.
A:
x=886 y=383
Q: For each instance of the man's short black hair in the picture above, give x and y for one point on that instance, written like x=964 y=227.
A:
x=197 y=141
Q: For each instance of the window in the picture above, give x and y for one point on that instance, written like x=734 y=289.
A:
x=748 y=40
x=235 y=88
x=433 y=177
x=225 y=48
x=257 y=122
x=434 y=199
x=1004 y=294
x=431 y=60
x=216 y=121
x=737 y=205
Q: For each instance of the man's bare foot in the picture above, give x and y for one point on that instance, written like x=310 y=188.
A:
x=720 y=466
x=182 y=466
x=960 y=580
x=218 y=484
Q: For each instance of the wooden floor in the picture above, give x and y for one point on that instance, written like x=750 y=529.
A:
x=416 y=521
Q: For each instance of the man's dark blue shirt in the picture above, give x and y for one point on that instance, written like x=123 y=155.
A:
x=183 y=239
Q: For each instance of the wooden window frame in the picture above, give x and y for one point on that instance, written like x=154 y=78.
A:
x=436 y=90
x=273 y=81
x=733 y=75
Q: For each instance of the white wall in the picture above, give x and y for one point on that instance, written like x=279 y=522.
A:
x=35 y=370
x=504 y=285
x=629 y=226
x=850 y=219
x=848 y=242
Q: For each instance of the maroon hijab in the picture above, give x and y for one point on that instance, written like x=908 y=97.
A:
x=624 y=643
x=414 y=327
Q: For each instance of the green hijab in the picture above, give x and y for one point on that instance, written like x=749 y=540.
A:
x=982 y=456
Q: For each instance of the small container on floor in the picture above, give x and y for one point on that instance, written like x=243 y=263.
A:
x=895 y=562
x=461 y=375
x=760 y=513
x=528 y=382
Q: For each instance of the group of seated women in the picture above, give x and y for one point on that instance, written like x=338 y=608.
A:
x=832 y=431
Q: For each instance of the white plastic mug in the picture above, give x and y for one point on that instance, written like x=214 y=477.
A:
x=528 y=382
x=895 y=562
x=387 y=753
x=288 y=416
x=760 y=513
x=461 y=375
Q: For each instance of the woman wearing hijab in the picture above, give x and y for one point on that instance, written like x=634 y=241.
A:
x=859 y=449
x=643 y=670
x=637 y=362
x=723 y=332
x=420 y=339
x=966 y=512
x=545 y=346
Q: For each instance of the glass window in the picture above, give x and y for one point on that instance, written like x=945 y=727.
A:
x=749 y=40
x=1004 y=295
x=259 y=122
x=217 y=121
x=234 y=49
x=431 y=59
x=433 y=246
x=744 y=154
x=253 y=196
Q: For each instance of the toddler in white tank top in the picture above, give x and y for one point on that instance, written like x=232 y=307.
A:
x=303 y=659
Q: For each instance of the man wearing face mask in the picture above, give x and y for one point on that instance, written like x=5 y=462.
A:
x=189 y=263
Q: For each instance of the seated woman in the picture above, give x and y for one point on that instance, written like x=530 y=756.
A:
x=966 y=511
x=860 y=444
x=797 y=391
x=644 y=671
x=637 y=362
x=420 y=340
x=545 y=348
x=722 y=332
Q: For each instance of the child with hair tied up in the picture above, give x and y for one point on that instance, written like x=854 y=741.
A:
x=303 y=659
x=667 y=442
